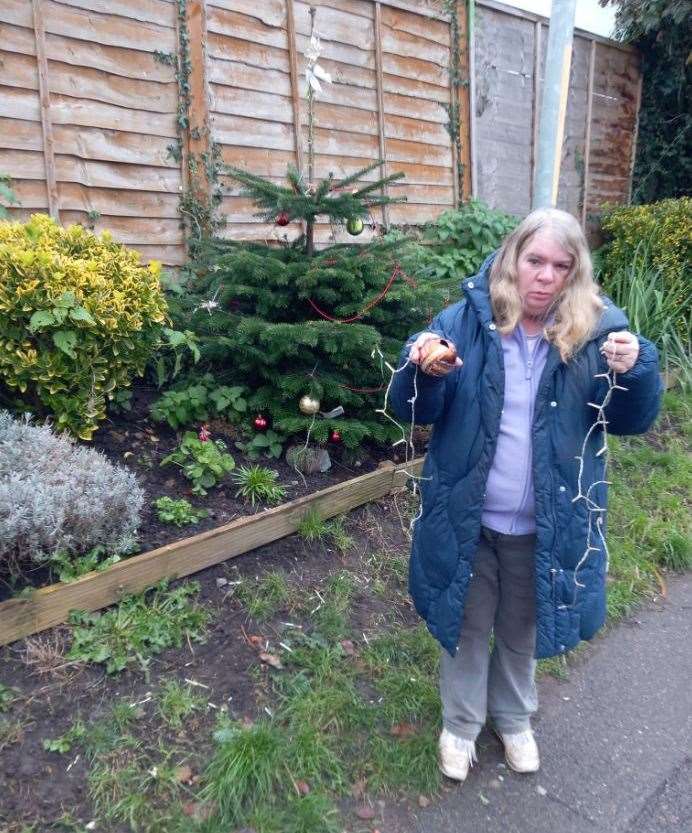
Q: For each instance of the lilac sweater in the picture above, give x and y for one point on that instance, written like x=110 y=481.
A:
x=509 y=500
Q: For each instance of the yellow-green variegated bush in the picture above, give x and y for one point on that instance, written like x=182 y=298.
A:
x=79 y=317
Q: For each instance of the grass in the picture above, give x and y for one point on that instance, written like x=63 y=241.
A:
x=264 y=597
x=360 y=712
x=177 y=702
x=649 y=519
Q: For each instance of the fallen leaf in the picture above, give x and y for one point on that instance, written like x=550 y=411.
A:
x=348 y=647
x=255 y=641
x=271 y=659
x=183 y=774
x=365 y=812
x=200 y=810
x=483 y=799
x=402 y=730
x=303 y=787
x=423 y=801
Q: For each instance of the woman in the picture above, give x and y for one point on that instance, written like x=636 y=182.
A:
x=513 y=480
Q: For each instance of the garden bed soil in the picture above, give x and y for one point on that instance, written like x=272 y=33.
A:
x=37 y=786
x=133 y=440
x=136 y=441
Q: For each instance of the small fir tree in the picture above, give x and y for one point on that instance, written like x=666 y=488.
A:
x=290 y=321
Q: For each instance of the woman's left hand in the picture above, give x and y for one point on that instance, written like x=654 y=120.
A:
x=620 y=350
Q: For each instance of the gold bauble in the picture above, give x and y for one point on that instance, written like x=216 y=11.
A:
x=309 y=405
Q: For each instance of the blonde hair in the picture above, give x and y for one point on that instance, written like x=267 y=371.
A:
x=576 y=309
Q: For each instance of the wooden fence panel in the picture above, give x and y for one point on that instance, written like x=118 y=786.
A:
x=110 y=112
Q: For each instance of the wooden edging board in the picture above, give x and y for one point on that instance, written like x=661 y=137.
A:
x=50 y=606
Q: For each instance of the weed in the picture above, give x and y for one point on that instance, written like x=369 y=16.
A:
x=138 y=627
x=63 y=744
x=11 y=732
x=7 y=696
x=257 y=484
x=312 y=527
x=263 y=598
x=69 y=568
x=178 y=512
x=177 y=702
x=340 y=538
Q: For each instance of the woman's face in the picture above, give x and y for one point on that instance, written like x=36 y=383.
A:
x=542 y=269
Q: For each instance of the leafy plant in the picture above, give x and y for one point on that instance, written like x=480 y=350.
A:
x=651 y=246
x=138 y=627
x=70 y=568
x=177 y=345
x=462 y=238
x=204 y=462
x=257 y=484
x=63 y=744
x=268 y=444
x=658 y=309
x=79 y=318
x=199 y=403
x=7 y=195
x=178 y=512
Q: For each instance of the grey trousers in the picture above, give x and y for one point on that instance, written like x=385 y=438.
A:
x=500 y=600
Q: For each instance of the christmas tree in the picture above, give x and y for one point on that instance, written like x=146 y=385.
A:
x=308 y=330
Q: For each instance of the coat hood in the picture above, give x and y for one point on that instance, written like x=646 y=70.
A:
x=477 y=290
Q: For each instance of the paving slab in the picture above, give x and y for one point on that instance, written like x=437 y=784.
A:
x=615 y=741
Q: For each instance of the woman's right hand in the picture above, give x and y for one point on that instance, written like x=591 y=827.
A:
x=418 y=352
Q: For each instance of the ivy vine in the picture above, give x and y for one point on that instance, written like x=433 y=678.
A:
x=457 y=83
x=197 y=206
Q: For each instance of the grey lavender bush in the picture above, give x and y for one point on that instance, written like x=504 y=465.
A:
x=57 y=496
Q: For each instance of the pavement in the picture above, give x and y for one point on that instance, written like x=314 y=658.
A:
x=615 y=741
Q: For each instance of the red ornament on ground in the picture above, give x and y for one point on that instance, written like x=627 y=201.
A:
x=335 y=437
x=260 y=423
x=282 y=219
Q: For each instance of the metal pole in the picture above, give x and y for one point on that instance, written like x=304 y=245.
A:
x=551 y=127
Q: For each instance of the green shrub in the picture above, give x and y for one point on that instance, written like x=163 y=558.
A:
x=204 y=462
x=79 y=317
x=462 y=238
x=61 y=500
x=660 y=232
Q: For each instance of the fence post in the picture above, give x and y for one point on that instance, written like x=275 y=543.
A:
x=464 y=101
x=379 y=82
x=198 y=134
x=46 y=123
x=295 y=85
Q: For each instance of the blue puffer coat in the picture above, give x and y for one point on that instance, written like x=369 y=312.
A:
x=465 y=409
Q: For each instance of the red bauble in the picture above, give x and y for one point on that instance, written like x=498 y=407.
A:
x=335 y=437
x=260 y=423
x=282 y=219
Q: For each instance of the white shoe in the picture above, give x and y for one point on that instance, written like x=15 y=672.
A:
x=521 y=751
x=456 y=755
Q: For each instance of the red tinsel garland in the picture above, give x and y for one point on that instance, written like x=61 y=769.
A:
x=398 y=272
